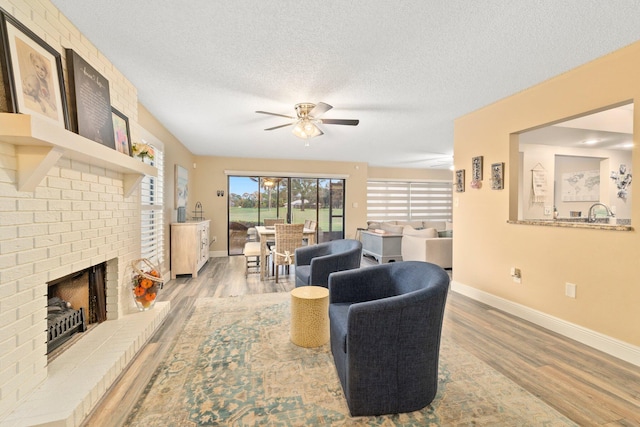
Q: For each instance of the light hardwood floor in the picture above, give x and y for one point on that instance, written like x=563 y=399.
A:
x=587 y=386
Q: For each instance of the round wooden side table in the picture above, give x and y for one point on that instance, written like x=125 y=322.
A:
x=310 y=316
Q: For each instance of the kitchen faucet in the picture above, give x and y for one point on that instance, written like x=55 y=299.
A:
x=592 y=217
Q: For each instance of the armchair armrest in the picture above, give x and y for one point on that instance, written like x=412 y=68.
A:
x=323 y=266
x=305 y=254
x=359 y=285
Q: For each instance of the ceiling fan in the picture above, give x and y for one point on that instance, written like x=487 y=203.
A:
x=305 y=124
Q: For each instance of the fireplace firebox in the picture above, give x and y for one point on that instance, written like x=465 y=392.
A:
x=74 y=302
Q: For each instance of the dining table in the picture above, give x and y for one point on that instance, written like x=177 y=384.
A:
x=268 y=233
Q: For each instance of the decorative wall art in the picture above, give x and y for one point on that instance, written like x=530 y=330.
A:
x=622 y=179
x=90 y=101
x=121 y=133
x=539 y=184
x=182 y=188
x=32 y=75
x=581 y=186
x=497 y=176
x=459 y=181
x=476 y=172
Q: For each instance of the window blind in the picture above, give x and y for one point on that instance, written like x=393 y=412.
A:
x=151 y=211
x=409 y=201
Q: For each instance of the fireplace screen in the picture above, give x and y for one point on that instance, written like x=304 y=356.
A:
x=74 y=302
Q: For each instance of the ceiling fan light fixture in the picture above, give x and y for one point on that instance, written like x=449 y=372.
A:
x=305 y=128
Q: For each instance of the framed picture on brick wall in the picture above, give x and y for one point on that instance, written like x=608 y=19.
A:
x=90 y=101
x=121 y=133
x=32 y=74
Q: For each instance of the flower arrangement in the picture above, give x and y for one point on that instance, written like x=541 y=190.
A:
x=145 y=282
x=143 y=150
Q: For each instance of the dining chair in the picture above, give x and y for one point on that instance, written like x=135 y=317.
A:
x=309 y=225
x=270 y=222
x=288 y=238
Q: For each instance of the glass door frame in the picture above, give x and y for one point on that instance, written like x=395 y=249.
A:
x=288 y=216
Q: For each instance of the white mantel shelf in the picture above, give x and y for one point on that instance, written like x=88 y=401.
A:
x=39 y=145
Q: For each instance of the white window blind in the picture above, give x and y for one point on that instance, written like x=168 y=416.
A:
x=409 y=201
x=151 y=215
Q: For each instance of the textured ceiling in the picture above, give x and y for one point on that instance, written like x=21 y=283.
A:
x=405 y=69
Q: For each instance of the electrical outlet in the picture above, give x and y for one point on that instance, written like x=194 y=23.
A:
x=547 y=210
x=214 y=239
x=570 y=290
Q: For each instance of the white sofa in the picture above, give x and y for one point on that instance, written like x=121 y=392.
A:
x=428 y=241
x=425 y=245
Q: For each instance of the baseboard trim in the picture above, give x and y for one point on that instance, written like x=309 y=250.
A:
x=614 y=347
x=217 y=254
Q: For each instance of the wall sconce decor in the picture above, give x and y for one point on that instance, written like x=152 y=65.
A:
x=476 y=172
x=460 y=181
x=497 y=176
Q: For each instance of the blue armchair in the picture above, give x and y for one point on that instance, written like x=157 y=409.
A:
x=314 y=263
x=385 y=326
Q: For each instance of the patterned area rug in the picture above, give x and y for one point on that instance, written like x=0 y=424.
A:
x=235 y=366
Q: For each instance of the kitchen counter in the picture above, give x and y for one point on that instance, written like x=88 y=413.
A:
x=574 y=223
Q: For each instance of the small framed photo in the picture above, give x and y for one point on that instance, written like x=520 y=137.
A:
x=459 y=181
x=121 y=133
x=476 y=169
x=33 y=72
x=497 y=176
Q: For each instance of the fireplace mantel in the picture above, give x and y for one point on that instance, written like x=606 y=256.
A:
x=39 y=145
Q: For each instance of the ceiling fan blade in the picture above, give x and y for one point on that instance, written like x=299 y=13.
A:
x=275 y=114
x=319 y=109
x=340 y=122
x=281 y=126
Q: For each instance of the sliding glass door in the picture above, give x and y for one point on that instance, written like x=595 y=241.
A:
x=331 y=216
x=294 y=200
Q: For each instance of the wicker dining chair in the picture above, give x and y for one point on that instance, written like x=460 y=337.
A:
x=270 y=222
x=288 y=238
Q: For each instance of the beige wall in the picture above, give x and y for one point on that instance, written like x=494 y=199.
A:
x=603 y=264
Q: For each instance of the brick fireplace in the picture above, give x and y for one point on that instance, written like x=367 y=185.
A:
x=76 y=218
x=76 y=207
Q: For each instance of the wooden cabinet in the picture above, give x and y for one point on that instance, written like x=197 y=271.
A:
x=189 y=247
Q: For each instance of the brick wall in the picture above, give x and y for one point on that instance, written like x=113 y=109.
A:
x=77 y=217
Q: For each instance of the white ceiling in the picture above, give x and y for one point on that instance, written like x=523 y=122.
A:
x=610 y=129
x=405 y=69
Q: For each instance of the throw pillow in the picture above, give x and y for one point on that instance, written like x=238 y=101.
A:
x=391 y=228
x=427 y=232
x=372 y=225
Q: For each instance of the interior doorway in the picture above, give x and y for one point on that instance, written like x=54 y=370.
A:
x=252 y=199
